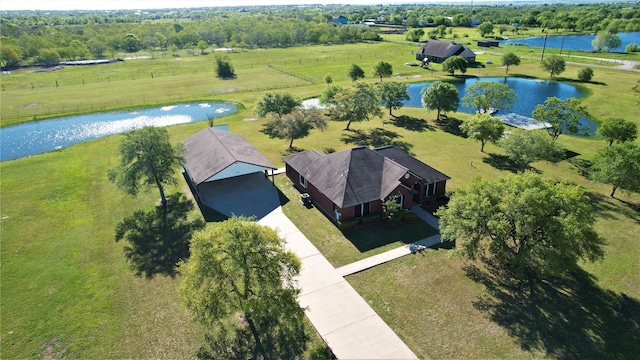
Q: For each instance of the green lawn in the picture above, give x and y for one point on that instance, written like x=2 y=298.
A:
x=66 y=287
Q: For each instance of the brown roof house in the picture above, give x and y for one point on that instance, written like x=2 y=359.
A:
x=226 y=172
x=354 y=183
x=438 y=51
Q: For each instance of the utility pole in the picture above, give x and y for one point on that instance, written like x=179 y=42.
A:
x=544 y=45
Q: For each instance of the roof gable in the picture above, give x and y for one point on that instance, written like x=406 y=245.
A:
x=443 y=49
x=211 y=151
x=428 y=174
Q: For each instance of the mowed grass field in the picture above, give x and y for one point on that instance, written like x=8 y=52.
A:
x=67 y=290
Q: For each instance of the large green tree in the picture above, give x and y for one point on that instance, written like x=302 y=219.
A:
x=224 y=68
x=534 y=226
x=147 y=158
x=276 y=103
x=455 y=63
x=563 y=116
x=483 y=127
x=617 y=129
x=618 y=165
x=485 y=95
x=554 y=65
x=153 y=247
x=525 y=147
x=355 y=72
x=440 y=96
x=605 y=41
x=355 y=104
x=382 y=69
x=486 y=28
x=510 y=59
x=240 y=282
x=392 y=94
x=414 y=35
x=295 y=125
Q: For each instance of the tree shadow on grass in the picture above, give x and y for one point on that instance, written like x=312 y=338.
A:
x=583 y=166
x=375 y=138
x=568 y=318
x=374 y=236
x=501 y=162
x=412 y=123
x=605 y=207
x=450 y=125
x=154 y=242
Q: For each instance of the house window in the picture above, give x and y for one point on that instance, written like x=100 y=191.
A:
x=431 y=190
x=362 y=210
x=303 y=181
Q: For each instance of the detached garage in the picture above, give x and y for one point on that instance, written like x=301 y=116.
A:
x=228 y=174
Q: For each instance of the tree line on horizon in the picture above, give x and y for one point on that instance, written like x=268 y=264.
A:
x=45 y=38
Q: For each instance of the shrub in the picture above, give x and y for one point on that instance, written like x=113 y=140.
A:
x=585 y=74
x=371 y=218
x=347 y=224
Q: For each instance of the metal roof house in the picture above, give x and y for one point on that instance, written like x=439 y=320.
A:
x=438 y=51
x=212 y=156
x=355 y=182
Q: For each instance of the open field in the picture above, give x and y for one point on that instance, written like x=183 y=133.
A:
x=67 y=291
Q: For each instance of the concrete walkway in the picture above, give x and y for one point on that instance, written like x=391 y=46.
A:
x=387 y=256
x=397 y=252
x=346 y=322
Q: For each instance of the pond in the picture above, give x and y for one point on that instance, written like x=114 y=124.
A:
x=573 y=42
x=42 y=136
x=529 y=92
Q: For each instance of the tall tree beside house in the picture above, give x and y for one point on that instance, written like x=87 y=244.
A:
x=392 y=94
x=618 y=165
x=355 y=104
x=295 y=125
x=485 y=95
x=554 y=65
x=382 y=69
x=563 y=115
x=147 y=158
x=617 y=129
x=440 y=96
x=355 y=72
x=278 y=104
x=483 y=127
x=533 y=226
x=510 y=59
x=240 y=284
x=455 y=63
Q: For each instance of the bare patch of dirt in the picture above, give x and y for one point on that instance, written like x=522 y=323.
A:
x=53 y=350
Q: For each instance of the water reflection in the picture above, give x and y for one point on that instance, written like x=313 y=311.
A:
x=42 y=136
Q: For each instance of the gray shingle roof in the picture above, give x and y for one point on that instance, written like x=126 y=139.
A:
x=443 y=49
x=212 y=150
x=422 y=170
x=349 y=177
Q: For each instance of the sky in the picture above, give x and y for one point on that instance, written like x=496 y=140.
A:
x=162 y=4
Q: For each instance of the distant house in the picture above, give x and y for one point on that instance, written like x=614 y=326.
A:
x=340 y=20
x=439 y=51
x=212 y=155
x=488 y=43
x=355 y=182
